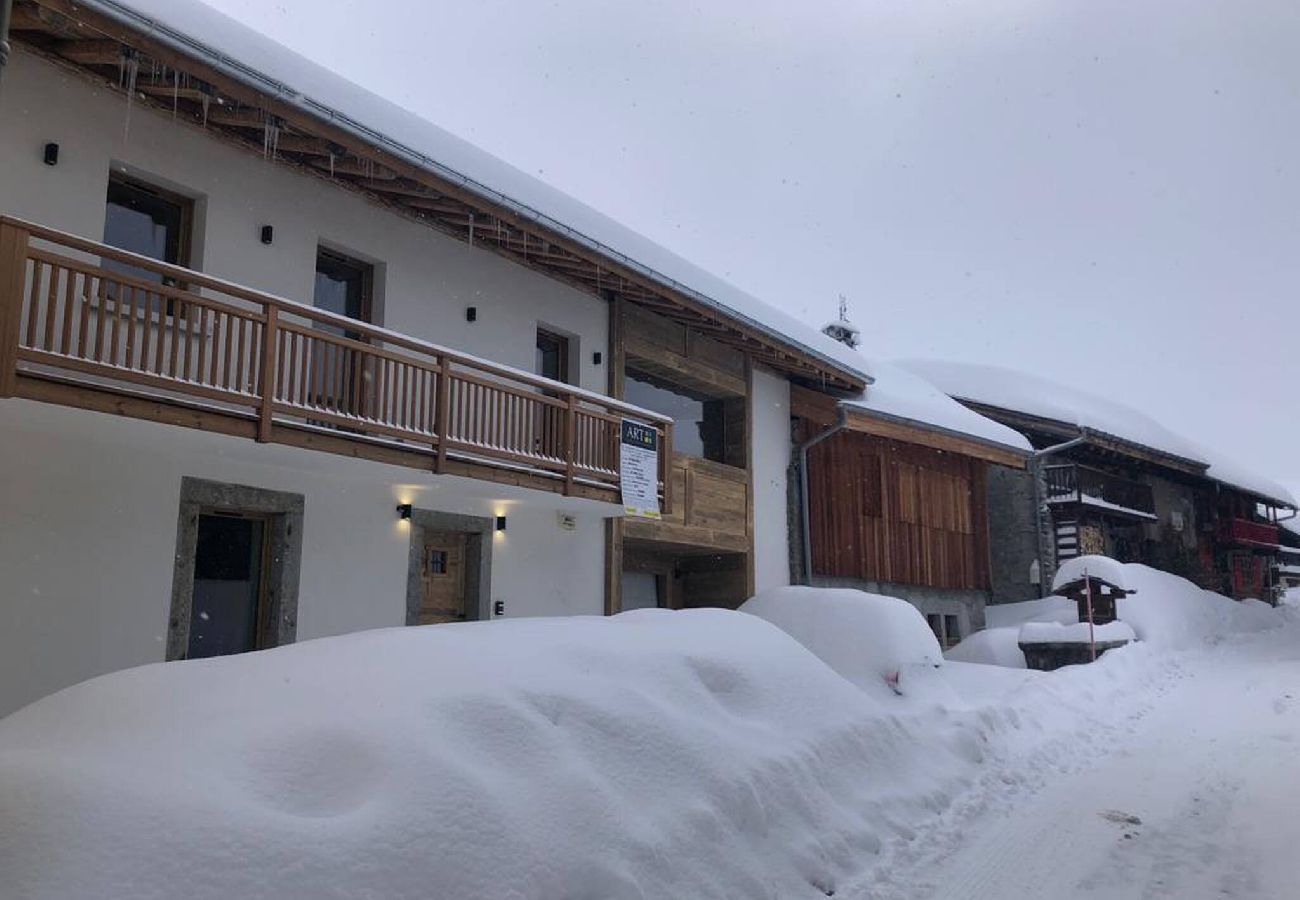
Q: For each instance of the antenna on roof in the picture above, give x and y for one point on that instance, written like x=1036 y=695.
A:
x=843 y=330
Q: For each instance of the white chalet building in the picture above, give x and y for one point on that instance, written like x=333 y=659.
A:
x=280 y=360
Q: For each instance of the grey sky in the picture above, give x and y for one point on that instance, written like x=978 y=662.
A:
x=1101 y=191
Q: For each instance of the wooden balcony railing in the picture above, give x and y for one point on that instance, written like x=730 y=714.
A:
x=1100 y=490
x=75 y=308
x=1246 y=531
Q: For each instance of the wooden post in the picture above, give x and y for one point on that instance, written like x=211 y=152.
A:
x=614 y=526
x=13 y=276
x=442 y=412
x=266 y=379
x=570 y=439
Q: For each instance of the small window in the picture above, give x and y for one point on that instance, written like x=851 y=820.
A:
x=343 y=286
x=147 y=220
x=935 y=621
x=951 y=631
x=437 y=562
x=552 y=356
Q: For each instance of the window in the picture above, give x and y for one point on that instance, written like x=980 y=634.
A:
x=228 y=611
x=552 y=356
x=343 y=286
x=147 y=220
x=951 y=631
x=711 y=427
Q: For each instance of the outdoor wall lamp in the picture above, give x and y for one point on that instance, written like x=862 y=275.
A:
x=501 y=523
x=471 y=313
x=268 y=234
x=51 y=154
x=404 y=511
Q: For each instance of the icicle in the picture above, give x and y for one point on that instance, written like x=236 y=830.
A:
x=176 y=91
x=270 y=136
x=331 y=164
x=131 y=70
x=471 y=228
x=206 y=101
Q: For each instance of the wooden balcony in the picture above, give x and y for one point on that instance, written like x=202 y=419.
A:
x=1099 y=491
x=83 y=324
x=1248 y=532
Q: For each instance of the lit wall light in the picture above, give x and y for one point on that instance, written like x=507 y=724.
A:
x=501 y=523
x=404 y=511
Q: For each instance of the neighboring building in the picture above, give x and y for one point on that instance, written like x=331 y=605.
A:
x=896 y=496
x=1107 y=479
x=426 y=430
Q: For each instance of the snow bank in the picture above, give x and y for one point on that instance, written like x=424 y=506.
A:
x=1164 y=610
x=881 y=644
x=695 y=754
x=900 y=394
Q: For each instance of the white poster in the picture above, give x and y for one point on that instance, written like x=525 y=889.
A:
x=638 y=465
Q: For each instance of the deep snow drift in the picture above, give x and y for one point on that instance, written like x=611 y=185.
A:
x=701 y=753
x=1164 y=611
x=655 y=754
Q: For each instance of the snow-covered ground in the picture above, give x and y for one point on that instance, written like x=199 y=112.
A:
x=702 y=753
x=1186 y=790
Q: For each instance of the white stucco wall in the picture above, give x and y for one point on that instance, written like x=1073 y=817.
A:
x=89 y=535
x=771 y=434
x=425 y=280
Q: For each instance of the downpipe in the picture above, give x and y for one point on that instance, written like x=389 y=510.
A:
x=805 y=526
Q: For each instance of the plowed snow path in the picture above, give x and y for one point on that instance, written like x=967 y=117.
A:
x=1201 y=799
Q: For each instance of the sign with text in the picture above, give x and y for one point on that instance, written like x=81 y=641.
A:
x=638 y=469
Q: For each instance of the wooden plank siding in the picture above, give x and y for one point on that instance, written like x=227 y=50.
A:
x=881 y=510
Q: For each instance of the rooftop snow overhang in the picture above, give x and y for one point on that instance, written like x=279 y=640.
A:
x=915 y=431
x=221 y=94
x=1113 y=443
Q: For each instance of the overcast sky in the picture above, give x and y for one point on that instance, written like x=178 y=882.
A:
x=1101 y=191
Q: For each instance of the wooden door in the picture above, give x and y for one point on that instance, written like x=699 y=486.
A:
x=442 y=578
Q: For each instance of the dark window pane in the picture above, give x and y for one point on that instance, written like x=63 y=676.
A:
x=147 y=221
x=343 y=287
x=552 y=356
x=686 y=412
x=227 y=586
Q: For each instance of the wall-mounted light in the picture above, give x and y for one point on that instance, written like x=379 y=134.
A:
x=596 y=358
x=471 y=314
x=51 y=154
x=268 y=234
x=404 y=511
x=501 y=523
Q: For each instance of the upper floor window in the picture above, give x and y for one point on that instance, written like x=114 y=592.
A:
x=148 y=220
x=552 y=355
x=344 y=286
x=710 y=427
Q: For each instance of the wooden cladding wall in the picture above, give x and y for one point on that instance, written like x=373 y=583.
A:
x=882 y=510
x=710 y=509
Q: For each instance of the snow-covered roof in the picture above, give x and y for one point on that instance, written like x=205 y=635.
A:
x=257 y=60
x=900 y=394
x=1047 y=399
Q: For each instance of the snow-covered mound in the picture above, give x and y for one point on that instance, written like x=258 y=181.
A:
x=1077 y=633
x=653 y=754
x=881 y=644
x=1164 y=610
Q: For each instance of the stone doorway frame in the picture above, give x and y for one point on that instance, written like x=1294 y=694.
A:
x=284 y=512
x=478 y=531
